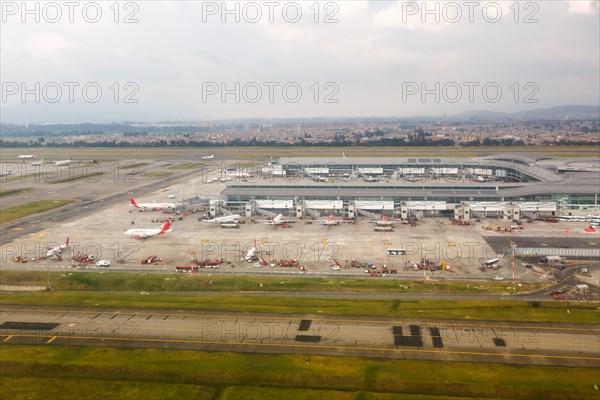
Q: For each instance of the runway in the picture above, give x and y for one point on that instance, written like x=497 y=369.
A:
x=422 y=339
x=90 y=204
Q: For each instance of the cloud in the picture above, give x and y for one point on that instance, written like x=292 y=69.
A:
x=369 y=50
x=583 y=6
x=47 y=44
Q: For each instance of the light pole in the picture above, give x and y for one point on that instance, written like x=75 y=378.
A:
x=513 y=246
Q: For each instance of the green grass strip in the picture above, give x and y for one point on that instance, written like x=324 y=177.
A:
x=12 y=192
x=116 y=281
x=14 y=213
x=300 y=374
x=160 y=174
x=189 y=165
x=488 y=310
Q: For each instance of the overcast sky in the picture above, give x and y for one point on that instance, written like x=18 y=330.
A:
x=374 y=58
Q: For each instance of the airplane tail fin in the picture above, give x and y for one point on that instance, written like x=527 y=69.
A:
x=67 y=242
x=133 y=203
x=165 y=227
x=277 y=219
x=330 y=218
x=590 y=229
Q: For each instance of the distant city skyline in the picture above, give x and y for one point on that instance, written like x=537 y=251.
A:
x=181 y=62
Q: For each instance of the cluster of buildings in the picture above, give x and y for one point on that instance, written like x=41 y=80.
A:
x=356 y=133
x=507 y=186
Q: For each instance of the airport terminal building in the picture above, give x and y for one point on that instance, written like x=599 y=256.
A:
x=507 y=186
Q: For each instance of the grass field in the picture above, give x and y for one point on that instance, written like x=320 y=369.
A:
x=264 y=153
x=115 y=281
x=13 y=213
x=134 y=165
x=160 y=174
x=26 y=387
x=157 y=283
x=489 y=310
x=189 y=165
x=90 y=177
x=27 y=371
x=36 y=177
x=4 y=193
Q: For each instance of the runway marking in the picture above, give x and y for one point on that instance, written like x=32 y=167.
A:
x=392 y=350
x=469 y=324
x=38 y=236
x=17 y=229
x=7 y=339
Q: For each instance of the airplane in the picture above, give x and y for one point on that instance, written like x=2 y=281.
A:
x=152 y=205
x=482 y=179
x=373 y=178
x=227 y=218
x=28 y=155
x=37 y=163
x=144 y=233
x=330 y=221
x=280 y=220
x=63 y=163
x=251 y=253
x=384 y=221
x=208 y=157
x=57 y=249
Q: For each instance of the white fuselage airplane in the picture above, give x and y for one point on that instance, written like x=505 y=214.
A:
x=144 y=233
x=227 y=218
x=250 y=254
x=208 y=157
x=28 y=155
x=278 y=220
x=330 y=221
x=152 y=205
x=57 y=249
x=384 y=221
x=63 y=163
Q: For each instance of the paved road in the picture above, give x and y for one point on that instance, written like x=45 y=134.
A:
x=473 y=341
x=502 y=243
